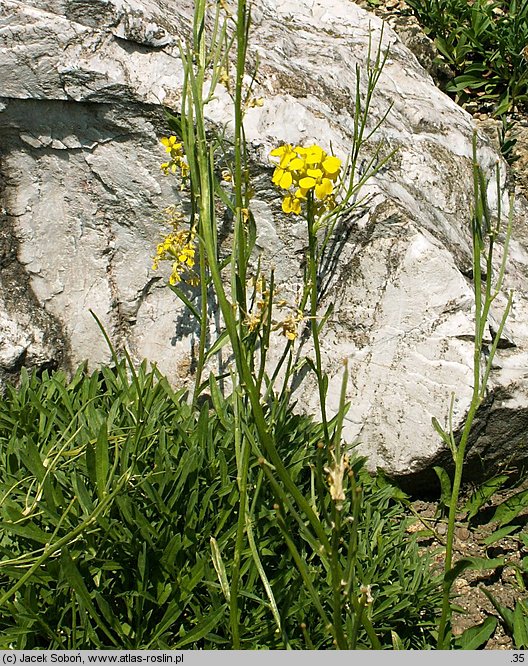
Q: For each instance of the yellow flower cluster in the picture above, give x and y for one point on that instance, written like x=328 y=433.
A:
x=304 y=170
x=179 y=247
x=177 y=157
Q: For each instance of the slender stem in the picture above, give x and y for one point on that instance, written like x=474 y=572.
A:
x=337 y=577
x=241 y=41
x=203 y=320
x=357 y=623
x=312 y=268
x=242 y=454
x=481 y=230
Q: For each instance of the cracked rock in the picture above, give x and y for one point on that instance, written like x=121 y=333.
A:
x=80 y=118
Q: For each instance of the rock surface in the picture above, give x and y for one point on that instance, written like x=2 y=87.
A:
x=82 y=87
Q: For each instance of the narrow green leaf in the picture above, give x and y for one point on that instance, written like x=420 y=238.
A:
x=474 y=563
x=475 y=637
x=202 y=629
x=262 y=574
x=187 y=301
x=170 y=616
x=222 y=340
x=220 y=569
x=511 y=508
x=443 y=434
x=28 y=531
x=174 y=122
x=445 y=485
x=520 y=627
x=483 y=493
x=505 y=613
x=499 y=534
x=31 y=458
x=325 y=317
x=76 y=582
x=90 y=462
x=218 y=401
x=101 y=461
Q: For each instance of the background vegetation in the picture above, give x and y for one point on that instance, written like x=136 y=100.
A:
x=135 y=486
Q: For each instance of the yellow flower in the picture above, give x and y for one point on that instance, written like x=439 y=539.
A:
x=331 y=167
x=315 y=155
x=245 y=215
x=252 y=321
x=291 y=205
x=179 y=248
x=282 y=178
x=255 y=102
x=177 y=157
x=308 y=169
x=286 y=154
x=324 y=189
x=172 y=146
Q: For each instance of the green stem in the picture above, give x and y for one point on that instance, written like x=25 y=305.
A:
x=242 y=456
x=242 y=27
x=208 y=235
x=337 y=577
x=357 y=623
x=203 y=318
x=480 y=229
x=312 y=268
x=460 y=451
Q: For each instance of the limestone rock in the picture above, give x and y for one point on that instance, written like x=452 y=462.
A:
x=83 y=85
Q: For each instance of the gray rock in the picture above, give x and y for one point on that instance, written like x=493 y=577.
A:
x=83 y=84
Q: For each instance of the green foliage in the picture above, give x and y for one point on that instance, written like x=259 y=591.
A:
x=484 y=43
x=515 y=621
x=118 y=507
x=483 y=494
x=506 y=517
x=475 y=637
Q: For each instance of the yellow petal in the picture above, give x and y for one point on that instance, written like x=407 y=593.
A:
x=331 y=166
x=286 y=180
x=286 y=159
x=285 y=153
x=291 y=205
x=287 y=204
x=307 y=183
x=277 y=175
x=296 y=164
x=315 y=154
x=315 y=173
x=324 y=188
x=300 y=193
x=279 y=152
